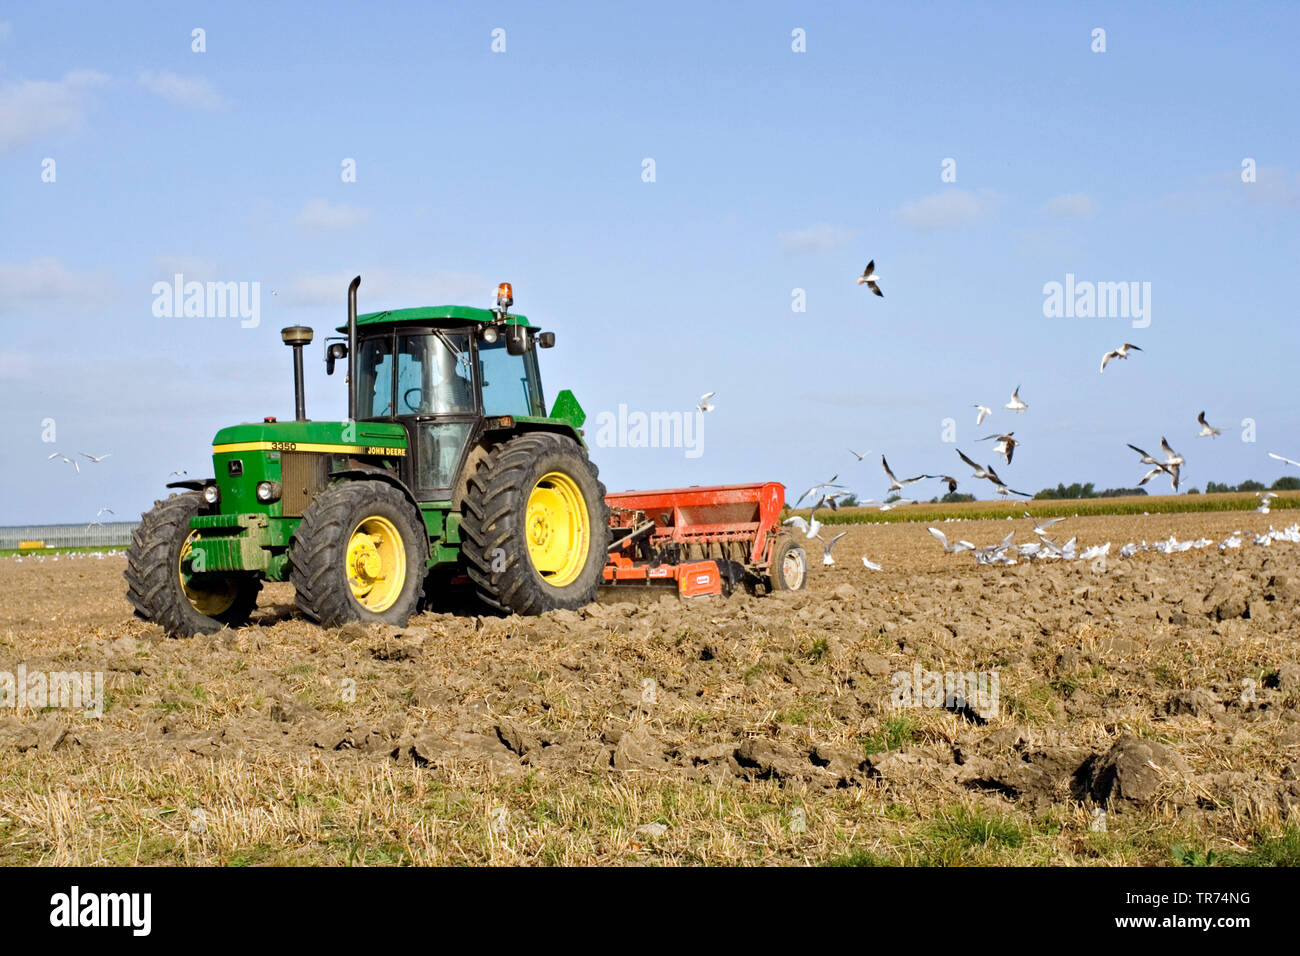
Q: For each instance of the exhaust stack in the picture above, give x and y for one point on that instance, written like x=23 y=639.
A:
x=296 y=336
x=352 y=348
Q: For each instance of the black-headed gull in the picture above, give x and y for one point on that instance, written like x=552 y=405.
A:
x=826 y=550
x=1016 y=405
x=894 y=483
x=1287 y=460
x=951 y=548
x=1206 y=430
x=869 y=278
x=1120 y=353
x=1006 y=446
x=705 y=405
x=982 y=412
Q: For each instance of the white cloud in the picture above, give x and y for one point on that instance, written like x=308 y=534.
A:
x=319 y=215
x=822 y=237
x=192 y=91
x=1274 y=186
x=949 y=209
x=48 y=282
x=30 y=109
x=1069 y=204
x=383 y=289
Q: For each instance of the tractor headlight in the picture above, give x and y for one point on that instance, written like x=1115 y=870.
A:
x=211 y=494
x=268 y=491
x=490 y=334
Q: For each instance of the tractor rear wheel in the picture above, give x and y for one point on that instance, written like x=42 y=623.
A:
x=359 y=555
x=534 y=525
x=162 y=590
x=789 y=568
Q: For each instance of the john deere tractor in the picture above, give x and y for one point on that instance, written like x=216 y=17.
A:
x=449 y=468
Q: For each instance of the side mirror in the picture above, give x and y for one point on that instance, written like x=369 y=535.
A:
x=334 y=352
x=546 y=340
x=516 y=339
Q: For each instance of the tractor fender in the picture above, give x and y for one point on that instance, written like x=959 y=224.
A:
x=370 y=473
x=191 y=484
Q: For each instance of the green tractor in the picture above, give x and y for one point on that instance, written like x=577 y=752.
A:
x=448 y=469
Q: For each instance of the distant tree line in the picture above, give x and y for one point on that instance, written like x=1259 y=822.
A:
x=1086 y=490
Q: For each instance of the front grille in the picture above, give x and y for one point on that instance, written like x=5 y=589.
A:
x=302 y=477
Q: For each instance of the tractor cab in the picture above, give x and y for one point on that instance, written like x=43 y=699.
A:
x=446 y=374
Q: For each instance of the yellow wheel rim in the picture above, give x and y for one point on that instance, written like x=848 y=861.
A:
x=556 y=528
x=210 y=594
x=376 y=563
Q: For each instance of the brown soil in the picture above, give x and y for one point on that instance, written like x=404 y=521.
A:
x=1162 y=689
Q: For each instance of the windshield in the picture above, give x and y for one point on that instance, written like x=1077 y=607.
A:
x=510 y=382
x=433 y=374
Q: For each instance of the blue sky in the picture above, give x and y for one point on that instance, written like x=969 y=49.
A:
x=774 y=171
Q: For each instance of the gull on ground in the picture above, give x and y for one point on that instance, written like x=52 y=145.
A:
x=870 y=565
x=826 y=550
x=1016 y=405
x=1206 y=430
x=869 y=278
x=1120 y=353
x=951 y=548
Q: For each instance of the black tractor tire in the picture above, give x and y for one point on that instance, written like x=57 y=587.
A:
x=318 y=555
x=789 y=568
x=494 y=536
x=153 y=578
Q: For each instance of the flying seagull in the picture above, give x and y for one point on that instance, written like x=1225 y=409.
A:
x=104 y=511
x=704 y=405
x=1016 y=405
x=1002 y=485
x=983 y=412
x=1287 y=460
x=1171 y=457
x=979 y=470
x=816 y=488
x=178 y=474
x=869 y=278
x=826 y=550
x=861 y=455
x=92 y=457
x=1121 y=352
x=1206 y=430
x=1006 y=446
x=948 y=480
x=70 y=461
x=1041 y=526
x=894 y=483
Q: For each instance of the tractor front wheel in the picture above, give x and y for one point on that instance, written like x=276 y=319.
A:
x=534 y=525
x=359 y=555
x=162 y=586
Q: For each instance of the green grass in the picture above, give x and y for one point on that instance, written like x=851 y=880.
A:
x=1055 y=508
x=896 y=732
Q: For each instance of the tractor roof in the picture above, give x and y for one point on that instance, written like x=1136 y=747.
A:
x=428 y=313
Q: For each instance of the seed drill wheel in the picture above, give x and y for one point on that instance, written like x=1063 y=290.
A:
x=358 y=555
x=789 y=568
x=534 y=525
x=162 y=585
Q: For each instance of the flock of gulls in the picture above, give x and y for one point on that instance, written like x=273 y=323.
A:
x=830 y=494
